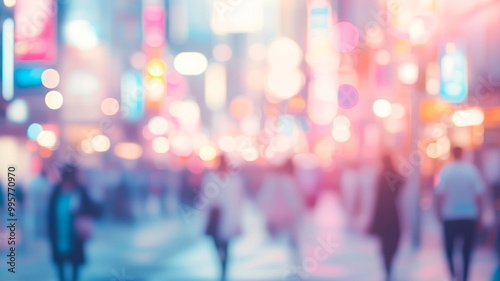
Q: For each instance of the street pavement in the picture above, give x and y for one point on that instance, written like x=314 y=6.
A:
x=159 y=249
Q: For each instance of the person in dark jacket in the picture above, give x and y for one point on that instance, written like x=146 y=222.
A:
x=385 y=223
x=70 y=210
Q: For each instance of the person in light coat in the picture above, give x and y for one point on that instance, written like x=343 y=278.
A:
x=222 y=199
x=282 y=205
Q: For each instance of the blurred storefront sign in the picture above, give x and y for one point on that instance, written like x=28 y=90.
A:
x=132 y=97
x=492 y=117
x=431 y=110
x=453 y=76
x=35 y=34
x=154 y=26
x=237 y=16
x=28 y=77
x=323 y=63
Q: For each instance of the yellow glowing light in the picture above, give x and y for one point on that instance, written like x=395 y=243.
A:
x=100 y=143
x=54 y=100
x=382 y=108
x=110 y=106
x=50 y=78
x=190 y=63
x=156 y=67
x=128 y=150
x=284 y=53
x=284 y=84
x=158 y=125
x=433 y=150
x=470 y=117
x=207 y=153
x=47 y=139
x=87 y=146
x=161 y=145
x=155 y=89
x=9 y=3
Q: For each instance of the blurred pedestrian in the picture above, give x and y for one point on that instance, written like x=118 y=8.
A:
x=122 y=211
x=222 y=198
x=459 y=201
x=37 y=202
x=385 y=224
x=283 y=207
x=350 y=184
x=69 y=217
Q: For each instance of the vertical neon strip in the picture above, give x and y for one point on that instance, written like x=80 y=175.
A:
x=8 y=59
x=215 y=86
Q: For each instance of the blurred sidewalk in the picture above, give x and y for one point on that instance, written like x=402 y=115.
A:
x=161 y=249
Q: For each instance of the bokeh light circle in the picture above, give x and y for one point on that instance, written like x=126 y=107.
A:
x=382 y=108
x=207 y=153
x=110 y=106
x=101 y=143
x=34 y=131
x=156 y=67
x=348 y=36
x=284 y=53
x=17 y=111
x=348 y=96
x=50 y=78
x=158 y=125
x=54 y=100
x=47 y=139
x=161 y=145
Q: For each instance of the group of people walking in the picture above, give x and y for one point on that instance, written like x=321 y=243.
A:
x=459 y=197
x=459 y=201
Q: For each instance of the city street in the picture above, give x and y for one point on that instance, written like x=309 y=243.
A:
x=169 y=249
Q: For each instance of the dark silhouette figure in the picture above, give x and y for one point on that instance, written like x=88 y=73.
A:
x=459 y=205
x=224 y=209
x=386 y=225
x=70 y=210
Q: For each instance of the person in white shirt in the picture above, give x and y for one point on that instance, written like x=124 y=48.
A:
x=460 y=194
x=222 y=197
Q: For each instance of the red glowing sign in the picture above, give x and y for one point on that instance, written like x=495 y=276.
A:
x=35 y=33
